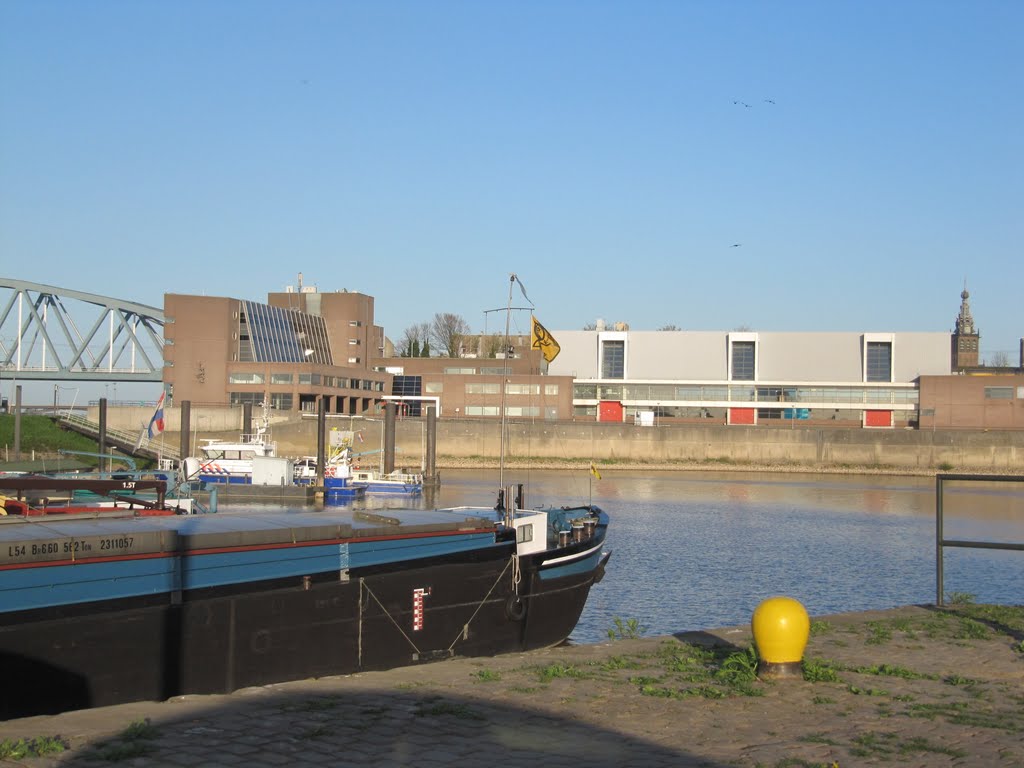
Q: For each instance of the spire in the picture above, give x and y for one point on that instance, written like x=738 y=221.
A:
x=964 y=321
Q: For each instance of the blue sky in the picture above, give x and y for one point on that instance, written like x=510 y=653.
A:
x=421 y=151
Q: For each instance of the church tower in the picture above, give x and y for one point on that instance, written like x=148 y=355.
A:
x=965 y=337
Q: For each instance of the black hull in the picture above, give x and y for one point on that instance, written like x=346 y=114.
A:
x=217 y=643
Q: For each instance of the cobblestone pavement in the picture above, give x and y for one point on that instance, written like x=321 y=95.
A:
x=914 y=686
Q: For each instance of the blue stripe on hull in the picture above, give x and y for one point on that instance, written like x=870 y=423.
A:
x=46 y=586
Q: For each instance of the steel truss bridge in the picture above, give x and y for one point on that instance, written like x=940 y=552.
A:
x=49 y=333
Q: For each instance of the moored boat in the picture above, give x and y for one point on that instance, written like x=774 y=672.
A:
x=119 y=607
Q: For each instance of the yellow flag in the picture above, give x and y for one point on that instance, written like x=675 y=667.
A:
x=594 y=472
x=544 y=341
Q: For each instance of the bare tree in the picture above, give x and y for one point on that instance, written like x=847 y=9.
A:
x=670 y=327
x=491 y=344
x=415 y=341
x=590 y=327
x=1000 y=359
x=447 y=332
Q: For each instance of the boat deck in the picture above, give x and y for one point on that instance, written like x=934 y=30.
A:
x=60 y=538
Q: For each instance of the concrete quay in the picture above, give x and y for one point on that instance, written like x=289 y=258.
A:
x=912 y=686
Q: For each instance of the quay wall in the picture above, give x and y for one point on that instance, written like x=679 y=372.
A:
x=469 y=439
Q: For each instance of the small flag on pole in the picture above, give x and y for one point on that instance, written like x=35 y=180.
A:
x=156 y=424
x=541 y=339
x=594 y=472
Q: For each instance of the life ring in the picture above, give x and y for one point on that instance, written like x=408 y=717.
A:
x=515 y=607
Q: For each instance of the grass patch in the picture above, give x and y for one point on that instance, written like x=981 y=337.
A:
x=878 y=633
x=890 y=745
x=891 y=670
x=821 y=627
x=556 y=671
x=41 y=746
x=630 y=629
x=488 y=676
x=821 y=671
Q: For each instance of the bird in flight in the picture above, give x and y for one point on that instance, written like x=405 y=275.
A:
x=736 y=245
x=769 y=101
x=741 y=103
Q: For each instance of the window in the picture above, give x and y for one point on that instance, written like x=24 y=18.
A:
x=550 y=389
x=515 y=410
x=743 y=359
x=281 y=378
x=481 y=410
x=478 y=388
x=353 y=361
x=878 y=361
x=241 y=398
x=524 y=533
x=282 y=402
x=467 y=371
x=433 y=387
x=522 y=389
x=407 y=386
x=245 y=378
x=999 y=393
x=613 y=359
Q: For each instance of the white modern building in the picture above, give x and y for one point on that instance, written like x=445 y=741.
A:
x=743 y=377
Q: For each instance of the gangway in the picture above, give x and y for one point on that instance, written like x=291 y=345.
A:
x=128 y=442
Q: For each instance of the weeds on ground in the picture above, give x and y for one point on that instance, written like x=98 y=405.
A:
x=133 y=742
x=817 y=670
x=488 y=676
x=18 y=749
x=710 y=673
x=630 y=629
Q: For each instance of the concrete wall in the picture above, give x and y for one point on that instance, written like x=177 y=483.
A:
x=959 y=449
x=909 y=449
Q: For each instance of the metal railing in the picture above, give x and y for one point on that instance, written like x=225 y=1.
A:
x=128 y=441
x=941 y=542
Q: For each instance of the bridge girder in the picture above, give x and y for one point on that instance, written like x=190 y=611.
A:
x=41 y=337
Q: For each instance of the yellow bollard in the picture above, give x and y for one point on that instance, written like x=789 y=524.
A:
x=781 y=627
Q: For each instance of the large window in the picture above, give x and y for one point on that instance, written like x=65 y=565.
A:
x=879 y=361
x=743 y=360
x=613 y=359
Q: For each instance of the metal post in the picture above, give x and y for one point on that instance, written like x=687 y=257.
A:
x=321 y=440
x=431 y=458
x=389 y=437
x=102 y=437
x=938 y=541
x=184 y=428
x=17 y=422
x=246 y=419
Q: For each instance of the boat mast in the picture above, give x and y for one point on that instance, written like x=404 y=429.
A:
x=504 y=381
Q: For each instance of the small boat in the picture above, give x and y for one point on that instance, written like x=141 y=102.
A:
x=231 y=461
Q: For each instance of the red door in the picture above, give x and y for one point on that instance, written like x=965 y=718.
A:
x=609 y=410
x=878 y=418
x=742 y=415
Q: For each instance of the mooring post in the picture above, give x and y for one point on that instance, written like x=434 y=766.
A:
x=184 y=428
x=389 y=437
x=321 y=440
x=102 y=437
x=430 y=470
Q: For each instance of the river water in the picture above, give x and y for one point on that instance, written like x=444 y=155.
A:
x=696 y=550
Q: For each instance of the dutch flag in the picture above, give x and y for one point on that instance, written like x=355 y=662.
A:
x=156 y=424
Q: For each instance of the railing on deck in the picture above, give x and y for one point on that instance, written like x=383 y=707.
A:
x=941 y=541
